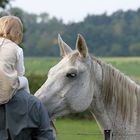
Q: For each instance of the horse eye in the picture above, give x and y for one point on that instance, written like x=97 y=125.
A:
x=71 y=75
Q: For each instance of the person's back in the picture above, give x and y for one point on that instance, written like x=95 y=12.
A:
x=8 y=47
x=12 y=68
x=8 y=73
x=24 y=118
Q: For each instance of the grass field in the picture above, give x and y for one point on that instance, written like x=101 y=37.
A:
x=128 y=65
x=78 y=130
x=82 y=129
x=39 y=65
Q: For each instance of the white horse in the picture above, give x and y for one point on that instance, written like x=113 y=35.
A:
x=80 y=82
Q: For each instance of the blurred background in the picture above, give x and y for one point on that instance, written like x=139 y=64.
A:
x=111 y=28
x=112 y=32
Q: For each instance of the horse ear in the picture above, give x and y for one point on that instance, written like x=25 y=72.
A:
x=64 y=48
x=82 y=46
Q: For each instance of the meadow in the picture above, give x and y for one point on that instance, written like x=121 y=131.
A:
x=74 y=129
x=128 y=65
x=77 y=129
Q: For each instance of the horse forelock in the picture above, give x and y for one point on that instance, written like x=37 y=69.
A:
x=122 y=89
x=73 y=57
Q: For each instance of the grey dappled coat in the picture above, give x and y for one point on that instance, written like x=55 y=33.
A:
x=24 y=118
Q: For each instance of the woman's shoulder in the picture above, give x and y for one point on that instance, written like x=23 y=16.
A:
x=22 y=96
x=8 y=43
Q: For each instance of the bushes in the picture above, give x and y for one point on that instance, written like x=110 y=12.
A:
x=82 y=115
x=35 y=81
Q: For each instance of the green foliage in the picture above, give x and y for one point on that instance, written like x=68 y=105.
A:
x=40 y=65
x=37 y=69
x=114 y=35
x=35 y=81
x=135 y=48
x=3 y=3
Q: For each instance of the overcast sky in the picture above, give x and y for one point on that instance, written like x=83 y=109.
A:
x=75 y=10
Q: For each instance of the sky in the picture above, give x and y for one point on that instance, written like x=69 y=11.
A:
x=75 y=10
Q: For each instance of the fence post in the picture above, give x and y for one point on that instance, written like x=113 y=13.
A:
x=108 y=134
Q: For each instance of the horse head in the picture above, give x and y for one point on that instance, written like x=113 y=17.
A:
x=69 y=87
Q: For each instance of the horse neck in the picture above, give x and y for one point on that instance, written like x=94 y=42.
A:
x=121 y=98
x=118 y=97
x=97 y=107
x=118 y=87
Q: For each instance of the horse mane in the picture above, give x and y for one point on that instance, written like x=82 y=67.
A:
x=121 y=89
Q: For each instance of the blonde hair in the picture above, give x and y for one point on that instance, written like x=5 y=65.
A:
x=11 y=28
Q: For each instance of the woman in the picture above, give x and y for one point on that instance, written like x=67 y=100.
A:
x=12 y=68
x=22 y=116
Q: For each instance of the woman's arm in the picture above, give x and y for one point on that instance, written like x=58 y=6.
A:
x=20 y=62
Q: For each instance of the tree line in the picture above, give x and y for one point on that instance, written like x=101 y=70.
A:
x=106 y=35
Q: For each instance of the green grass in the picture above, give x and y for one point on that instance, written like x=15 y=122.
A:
x=39 y=65
x=128 y=65
x=78 y=130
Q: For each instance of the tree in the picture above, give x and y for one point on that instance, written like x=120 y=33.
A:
x=114 y=35
x=16 y=12
x=135 y=49
x=44 y=17
x=3 y=3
